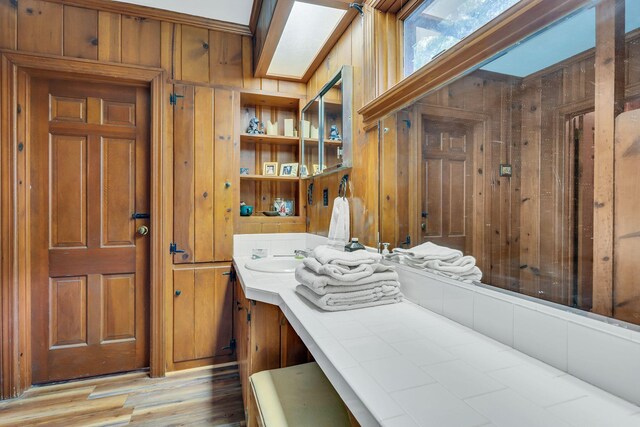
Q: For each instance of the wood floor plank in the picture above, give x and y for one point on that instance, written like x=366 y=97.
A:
x=209 y=396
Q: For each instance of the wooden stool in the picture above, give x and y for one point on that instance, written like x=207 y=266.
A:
x=297 y=396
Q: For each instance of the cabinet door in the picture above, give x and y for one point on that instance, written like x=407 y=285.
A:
x=202 y=313
x=265 y=337
x=292 y=349
x=241 y=330
x=203 y=168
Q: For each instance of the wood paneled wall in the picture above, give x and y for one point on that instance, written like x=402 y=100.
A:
x=208 y=67
x=355 y=48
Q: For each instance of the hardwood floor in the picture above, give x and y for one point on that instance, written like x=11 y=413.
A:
x=198 y=397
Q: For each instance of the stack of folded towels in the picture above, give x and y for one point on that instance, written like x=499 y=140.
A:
x=439 y=260
x=334 y=280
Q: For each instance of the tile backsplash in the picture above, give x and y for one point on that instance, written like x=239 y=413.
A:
x=605 y=355
x=276 y=244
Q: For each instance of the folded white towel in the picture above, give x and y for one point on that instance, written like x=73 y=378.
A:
x=316 y=281
x=375 y=287
x=339 y=225
x=317 y=301
x=346 y=298
x=345 y=273
x=430 y=251
x=327 y=255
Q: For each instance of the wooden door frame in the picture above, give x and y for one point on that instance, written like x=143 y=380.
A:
x=15 y=307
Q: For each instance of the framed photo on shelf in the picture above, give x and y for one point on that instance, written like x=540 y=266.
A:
x=316 y=169
x=270 y=169
x=244 y=171
x=304 y=171
x=289 y=169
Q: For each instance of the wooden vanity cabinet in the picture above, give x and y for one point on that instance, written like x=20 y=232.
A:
x=264 y=340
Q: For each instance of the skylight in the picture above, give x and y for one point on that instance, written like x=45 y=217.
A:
x=305 y=33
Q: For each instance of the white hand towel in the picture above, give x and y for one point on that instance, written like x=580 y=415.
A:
x=339 y=226
x=345 y=273
x=316 y=281
x=328 y=255
x=314 y=299
x=430 y=250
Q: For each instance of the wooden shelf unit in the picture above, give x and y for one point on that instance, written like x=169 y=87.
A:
x=260 y=190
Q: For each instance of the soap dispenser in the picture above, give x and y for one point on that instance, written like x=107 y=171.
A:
x=385 y=250
x=354 y=245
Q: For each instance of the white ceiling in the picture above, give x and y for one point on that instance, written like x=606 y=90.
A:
x=237 y=11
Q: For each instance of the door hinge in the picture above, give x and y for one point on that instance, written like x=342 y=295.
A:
x=248 y=316
x=173 y=98
x=173 y=249
x=231 y=346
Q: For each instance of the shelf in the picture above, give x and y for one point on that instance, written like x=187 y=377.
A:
x=260 y=98
x=270 y=139
x=327 y=142
x=268 y=178
x=259 y=217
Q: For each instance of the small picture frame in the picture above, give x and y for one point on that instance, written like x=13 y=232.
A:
x=304 y=171
x=316 y=169
x=270 y=169
x=289 y=169
x=244 y=171
x=506 y=170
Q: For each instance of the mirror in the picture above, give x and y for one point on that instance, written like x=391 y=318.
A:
x=501 y=165
x=326 y=126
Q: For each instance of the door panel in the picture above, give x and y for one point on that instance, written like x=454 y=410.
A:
x=89 y=284
x=68 y=109
x=118 y=191
x=118 y=307
x=68 y=199
x=68 y=311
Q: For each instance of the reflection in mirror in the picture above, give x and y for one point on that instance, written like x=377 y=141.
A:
x=501 y=165
x=309 y=125
x=333 y=126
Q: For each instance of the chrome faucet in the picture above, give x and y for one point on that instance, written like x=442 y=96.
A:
x=302 y=252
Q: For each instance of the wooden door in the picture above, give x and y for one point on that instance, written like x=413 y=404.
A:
x=90 y=267
x=447 y=200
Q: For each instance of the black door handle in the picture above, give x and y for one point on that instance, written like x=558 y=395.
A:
x=140 y=215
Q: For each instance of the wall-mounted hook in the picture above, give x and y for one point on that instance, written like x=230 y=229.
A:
x=357 y=7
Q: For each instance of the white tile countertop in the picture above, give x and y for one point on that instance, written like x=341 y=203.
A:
x=403 y=365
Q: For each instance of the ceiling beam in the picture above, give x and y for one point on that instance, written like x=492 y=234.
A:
x=159 y=14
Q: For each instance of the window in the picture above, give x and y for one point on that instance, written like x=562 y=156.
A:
x=437 y=25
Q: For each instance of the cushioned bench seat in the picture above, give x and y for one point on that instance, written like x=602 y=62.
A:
x=297 y=396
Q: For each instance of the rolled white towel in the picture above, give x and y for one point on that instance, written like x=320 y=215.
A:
x=327 y=255
x=460 y=267
x=431 y=251
x=318 y=302
x=316 y=281
x=345 y=273
x=376 y=287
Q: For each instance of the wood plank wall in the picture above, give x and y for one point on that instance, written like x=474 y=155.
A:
x=208 y=67
x=374 y=71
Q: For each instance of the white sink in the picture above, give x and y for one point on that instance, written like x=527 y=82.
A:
x=274 y=265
